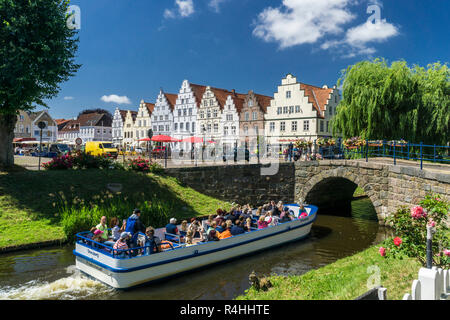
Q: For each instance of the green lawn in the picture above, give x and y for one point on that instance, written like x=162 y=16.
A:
x=345 y=279
x=29 y=209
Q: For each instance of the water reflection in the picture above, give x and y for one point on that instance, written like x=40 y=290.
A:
x=50 y=274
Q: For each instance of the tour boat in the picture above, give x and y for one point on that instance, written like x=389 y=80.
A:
x=100 y=262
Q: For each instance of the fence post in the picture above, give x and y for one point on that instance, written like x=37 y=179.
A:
x=408 y=150
x=434 y=153
x=367 y=150
x=421 y=155
x=429 y=247
x=395 y=160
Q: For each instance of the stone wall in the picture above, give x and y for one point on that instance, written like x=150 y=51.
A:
x=239 y=183
x=324 y=183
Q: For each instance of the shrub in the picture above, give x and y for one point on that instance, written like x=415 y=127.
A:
x=64 y=162
x=144 y=165
x=410 y=228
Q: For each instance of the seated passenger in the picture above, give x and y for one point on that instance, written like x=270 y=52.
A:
x=98 y=236
x=197 y=228
x=172 y=229
x=115 y=230
x=287 y=216
x=274 y=219
x=184 y=228
x=211 y=227
x=220 y=218
x=302 y=209
x=121 y=244
x=152 y=243
x=262 y=223
x=212 y=235
x=103 y=227
x=248 y=225
x=134 y=224
x=221 y=228
x=190 y=237
x=237 y=228
x=90 y=235
x=227 y=232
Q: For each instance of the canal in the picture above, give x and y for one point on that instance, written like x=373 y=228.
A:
x=51 y=274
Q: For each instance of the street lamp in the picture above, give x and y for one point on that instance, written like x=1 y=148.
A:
x=41 y=126
x=203 y=147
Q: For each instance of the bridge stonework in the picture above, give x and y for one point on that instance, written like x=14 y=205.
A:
x=325 y=183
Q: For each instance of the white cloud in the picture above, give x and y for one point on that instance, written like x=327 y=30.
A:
x=116 y=99
x=184 y=9
x=69 y=98
x=324 y=22
x=215 y=4
x=302 y=21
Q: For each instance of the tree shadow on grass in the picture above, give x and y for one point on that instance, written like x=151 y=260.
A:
x=40 y=194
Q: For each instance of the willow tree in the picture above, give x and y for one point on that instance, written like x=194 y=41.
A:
x=37 y=53
x=375 y=99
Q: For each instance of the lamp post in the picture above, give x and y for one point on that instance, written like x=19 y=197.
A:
x=203 y=147
x=150 y=136
x=41 y=126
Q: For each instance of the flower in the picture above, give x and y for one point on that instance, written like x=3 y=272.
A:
x=432 y=223
x=382 y=251
x=447 y=252
x=397 y=241
x=417 y=212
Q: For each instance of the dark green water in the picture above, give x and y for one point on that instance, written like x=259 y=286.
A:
x=51 y=274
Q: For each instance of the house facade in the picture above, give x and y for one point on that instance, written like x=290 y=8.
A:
x=298 y=111
x=230 y=122
x=162 y=117
x=143 y=122
x=185 y=113
x=95 y=127
x=252 y=117
x=128 y=129
x=27 y=126
x=117 y=126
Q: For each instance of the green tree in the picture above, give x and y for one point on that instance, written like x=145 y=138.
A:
x=37 y=53
x=394 y=102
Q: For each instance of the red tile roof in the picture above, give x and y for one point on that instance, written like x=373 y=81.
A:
x=150 y=107
x=198 y=90
x=172 y=99
x=263 y=101
x=317 y=96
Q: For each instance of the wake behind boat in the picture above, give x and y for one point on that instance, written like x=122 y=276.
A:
x=133 y=267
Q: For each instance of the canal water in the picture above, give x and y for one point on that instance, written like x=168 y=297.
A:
x=51 y=273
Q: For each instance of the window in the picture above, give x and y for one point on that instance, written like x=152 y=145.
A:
x=291 y=109
x=297 y=109
x=202 y=115
x=190 y=111
x=233 y=131
x=288 y=94
x=161 y=118
x=145 y=123
x=229 y=117
x=211 y=103
x=250 y=103
x=247 y=116
x=209 y=127
x=179 y=112
x=155 y=128
x=328 y=122
x=255 y=115
x=193 y=126
x=294 y=126
x=279 y=110
x=272 y=127
x=282 y=126
x=306 y=125
x=285 y=110
x=184 y=112
x=245 y=130
x=331 y=110
x=255 y=130
x=166 y=117
x=182 y=101
x=187 y=126
x=216 y=127
x=215 y=113
x=225 y=131
x=161 y=128
x=205 y=103
x=181 y=126
x=321 y=125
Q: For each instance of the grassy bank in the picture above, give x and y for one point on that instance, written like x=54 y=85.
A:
x=30 y=200
x=345 y=279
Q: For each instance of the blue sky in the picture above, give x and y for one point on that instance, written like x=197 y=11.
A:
x=130 y=49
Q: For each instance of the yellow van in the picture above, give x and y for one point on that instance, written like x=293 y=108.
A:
x=100 y=148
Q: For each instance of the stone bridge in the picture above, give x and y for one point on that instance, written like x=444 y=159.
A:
x=326 y=183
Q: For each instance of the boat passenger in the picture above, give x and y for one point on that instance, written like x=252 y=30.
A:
x=190 y=237
x=248 y=225
x=262 y=223
x=221 y=228
x=152 y=243
x=171 y=228
x=274 y=218
x=211 y=227
x=115 y=230
x=283 y=213
x=226 y=233
x=199 y=231
x=134 y=223
x=287 y=216
x=103 y=227
x=121 y=244
x=220 y=218
x=212 y=235
x=183 y=228
x=90 y=235
x=238 y=228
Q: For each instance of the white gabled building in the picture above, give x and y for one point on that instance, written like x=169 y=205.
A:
x=230 y=121
x=185 y=114
x=117 y=126
x=162 y=117
x=128 y=129
x=143 y=122
x=299 y=110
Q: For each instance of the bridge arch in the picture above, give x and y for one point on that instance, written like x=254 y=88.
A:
x=330 y=188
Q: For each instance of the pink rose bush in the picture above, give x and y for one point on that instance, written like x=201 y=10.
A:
x=410 y=230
